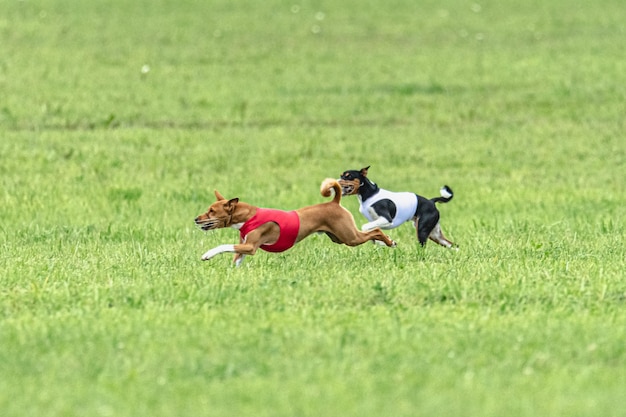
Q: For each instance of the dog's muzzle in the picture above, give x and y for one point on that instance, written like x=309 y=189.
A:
x=206 y=224
x=347 y=187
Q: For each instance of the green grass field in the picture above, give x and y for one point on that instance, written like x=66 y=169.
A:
x=119 y=119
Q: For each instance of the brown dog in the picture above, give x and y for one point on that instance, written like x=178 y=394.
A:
x=277 y=230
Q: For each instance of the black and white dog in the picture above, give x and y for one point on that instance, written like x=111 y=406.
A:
x=388 y=210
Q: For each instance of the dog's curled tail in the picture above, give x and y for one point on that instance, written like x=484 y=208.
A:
x=446 y=195
x=330 y=186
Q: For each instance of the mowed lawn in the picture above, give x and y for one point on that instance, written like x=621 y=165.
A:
x=118 y=120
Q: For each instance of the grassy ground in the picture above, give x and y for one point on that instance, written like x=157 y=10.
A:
x=118 y=119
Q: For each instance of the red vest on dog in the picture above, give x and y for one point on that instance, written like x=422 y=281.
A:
x=287 y=221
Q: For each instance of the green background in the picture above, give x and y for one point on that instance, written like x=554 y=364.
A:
x=118 y=120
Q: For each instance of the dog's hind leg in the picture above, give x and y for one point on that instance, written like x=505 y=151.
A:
x=425 y=224
x=339 y=225
x=437 y=236
x=356 y=237
x=333 y=238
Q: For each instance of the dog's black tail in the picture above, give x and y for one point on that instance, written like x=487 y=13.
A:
x=446 y=195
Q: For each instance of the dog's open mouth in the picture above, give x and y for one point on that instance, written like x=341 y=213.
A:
x=347 y=188
x=207 y=224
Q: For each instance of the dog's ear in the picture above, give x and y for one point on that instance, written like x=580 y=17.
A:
x=230 y=205
x=219 y=196
x=364 y=170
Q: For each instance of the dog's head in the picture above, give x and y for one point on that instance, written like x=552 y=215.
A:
x=219 y=214
x=352 y=180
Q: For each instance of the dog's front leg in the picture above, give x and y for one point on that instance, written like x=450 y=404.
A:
x=238 y=260
x=240 y=250
x=379 y=222
x=217 y=250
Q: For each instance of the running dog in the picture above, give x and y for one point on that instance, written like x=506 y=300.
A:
x=388 y=210
x=277 y=230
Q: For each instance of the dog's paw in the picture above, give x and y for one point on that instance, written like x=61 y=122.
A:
x=239 y=259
